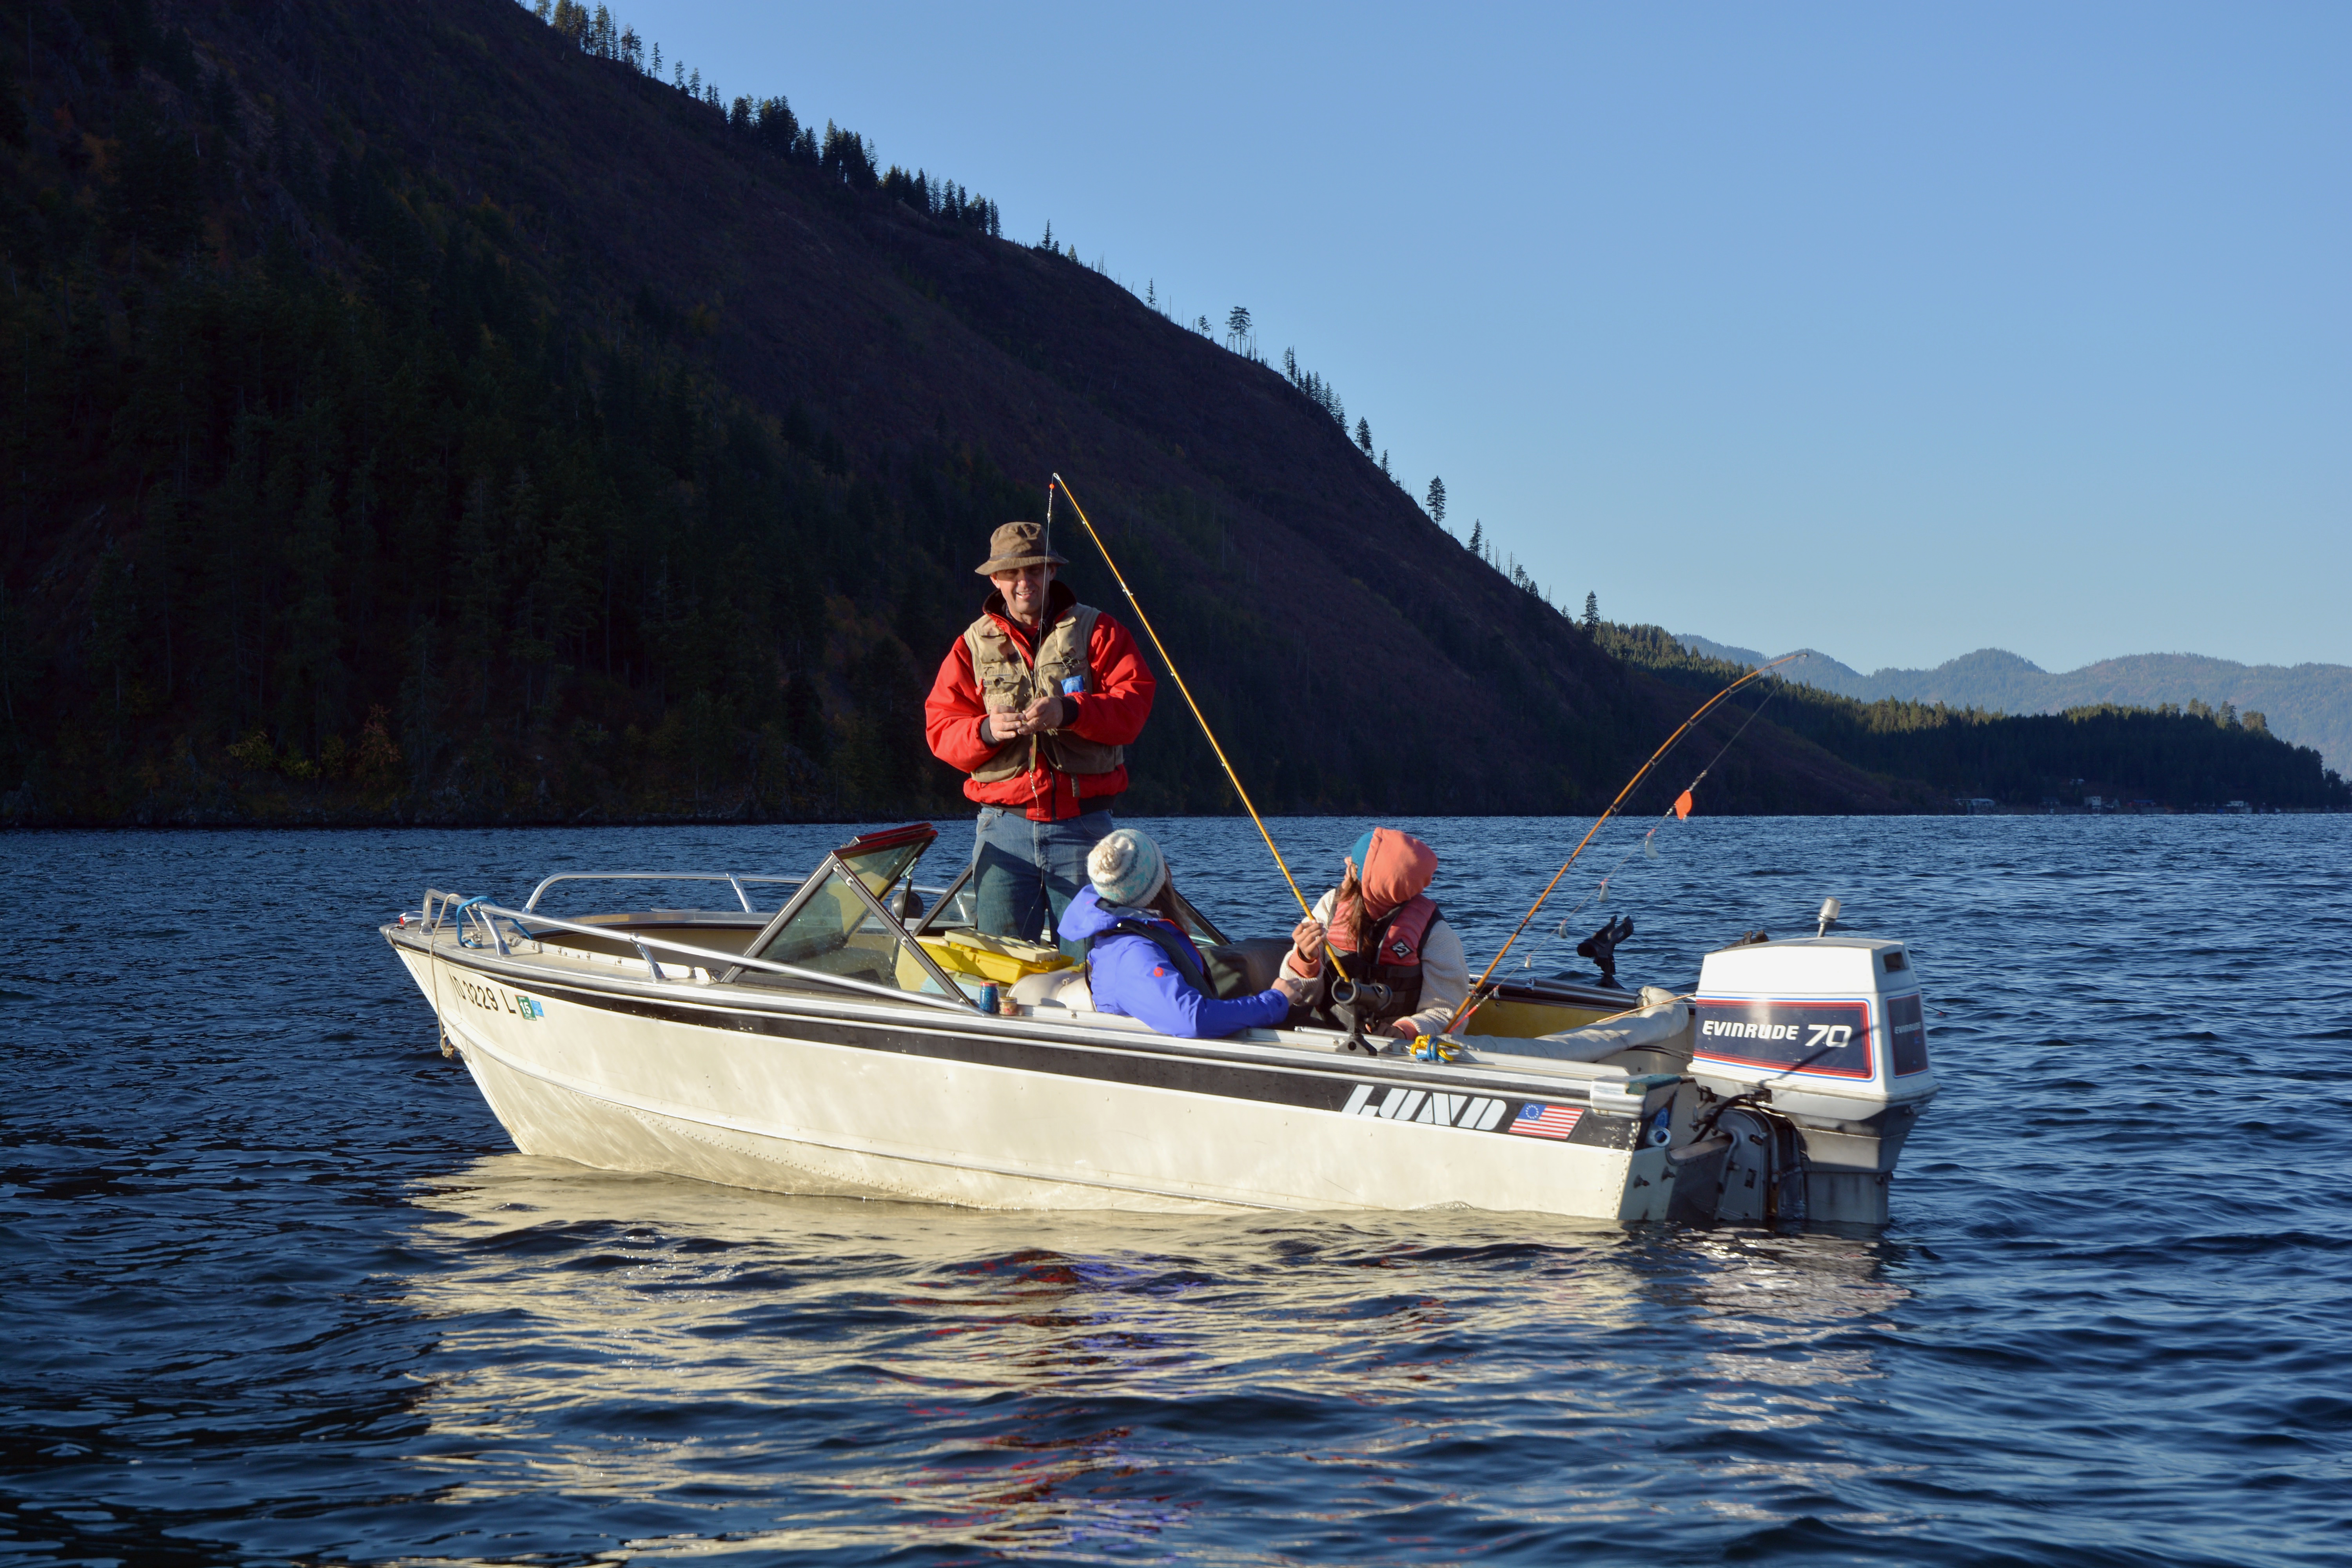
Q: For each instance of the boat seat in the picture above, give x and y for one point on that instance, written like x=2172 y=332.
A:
x=1244 y=968
x=1235 y=969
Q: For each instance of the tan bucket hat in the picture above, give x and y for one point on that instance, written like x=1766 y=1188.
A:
x=1015 y=545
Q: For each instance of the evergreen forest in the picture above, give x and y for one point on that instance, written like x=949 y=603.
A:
x=429 y=412
x=2178 y=757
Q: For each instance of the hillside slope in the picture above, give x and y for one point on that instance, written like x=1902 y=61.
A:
x=419 y=416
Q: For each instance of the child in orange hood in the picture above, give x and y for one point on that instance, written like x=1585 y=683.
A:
x=1384 y=927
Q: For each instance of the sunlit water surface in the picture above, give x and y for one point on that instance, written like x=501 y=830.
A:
x=277 y=1289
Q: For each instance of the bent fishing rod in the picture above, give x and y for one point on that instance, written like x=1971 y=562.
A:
x=1657 y=756
x=1678 y=809
x=1177 y=676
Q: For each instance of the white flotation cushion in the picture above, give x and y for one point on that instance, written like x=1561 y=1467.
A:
x=1654 y=1027
x=1056 y=988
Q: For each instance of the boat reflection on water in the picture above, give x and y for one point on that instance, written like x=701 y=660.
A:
x=743 y=1370
x=1780 y=1319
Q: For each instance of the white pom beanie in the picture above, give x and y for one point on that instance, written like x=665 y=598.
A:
x=1126 y=868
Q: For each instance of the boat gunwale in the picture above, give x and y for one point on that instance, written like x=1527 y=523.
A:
x=1308 y=1056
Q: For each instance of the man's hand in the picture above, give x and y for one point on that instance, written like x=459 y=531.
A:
x=1298 y=988
x=1406 y=1027
x=1011 y=723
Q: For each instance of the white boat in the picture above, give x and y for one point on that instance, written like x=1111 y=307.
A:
x=839 y=1046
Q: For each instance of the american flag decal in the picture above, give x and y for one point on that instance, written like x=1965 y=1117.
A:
x=1537 y=1119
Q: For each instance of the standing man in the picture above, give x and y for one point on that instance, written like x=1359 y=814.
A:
x=1038 y=701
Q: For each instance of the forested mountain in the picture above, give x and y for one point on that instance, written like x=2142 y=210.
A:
x=415 y=411
x=2171 y=754
x=2307 y=704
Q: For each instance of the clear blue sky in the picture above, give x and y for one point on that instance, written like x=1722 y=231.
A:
x=1895 y=331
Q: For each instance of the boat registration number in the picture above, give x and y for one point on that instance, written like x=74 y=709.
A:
x=498 y=999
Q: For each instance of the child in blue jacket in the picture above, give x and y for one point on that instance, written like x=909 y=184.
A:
x=1145 y=968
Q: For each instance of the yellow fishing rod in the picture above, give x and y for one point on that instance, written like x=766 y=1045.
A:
x=1705 y=708
x=1177 y=676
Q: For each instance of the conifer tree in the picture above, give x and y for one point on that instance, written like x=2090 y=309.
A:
x=1364 y=435
x=1437 y=500
x=1477 y=538
x=1593 y=612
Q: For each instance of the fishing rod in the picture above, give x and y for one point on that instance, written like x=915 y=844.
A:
x=1050 y=486
x=1678 y=809
x=1176 y=675
x=1045 y=933
x=1655 y=757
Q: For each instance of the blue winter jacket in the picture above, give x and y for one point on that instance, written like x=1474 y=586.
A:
x=1133 y=975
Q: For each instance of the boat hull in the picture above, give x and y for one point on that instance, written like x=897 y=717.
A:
x=794 y=1094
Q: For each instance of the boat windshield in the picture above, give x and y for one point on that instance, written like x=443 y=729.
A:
x=833 y=928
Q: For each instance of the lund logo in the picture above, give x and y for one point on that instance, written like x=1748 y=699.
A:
x=1472 y=1111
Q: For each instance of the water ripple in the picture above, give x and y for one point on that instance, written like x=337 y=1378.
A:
x=282 y=1292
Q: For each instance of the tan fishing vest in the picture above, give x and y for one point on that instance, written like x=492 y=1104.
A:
x=1006 y=681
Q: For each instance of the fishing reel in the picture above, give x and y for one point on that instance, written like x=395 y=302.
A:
x=1353 y=1001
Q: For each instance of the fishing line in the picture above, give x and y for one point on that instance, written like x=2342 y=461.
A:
x=1561 y=931
x=1644 y=772
x=1152 y=631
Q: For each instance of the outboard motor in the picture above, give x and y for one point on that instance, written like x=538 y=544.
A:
x=1812 y=1058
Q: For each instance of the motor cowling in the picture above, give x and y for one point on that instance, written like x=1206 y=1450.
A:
x=1826 y=1038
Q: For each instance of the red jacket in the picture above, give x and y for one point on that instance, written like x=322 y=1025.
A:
x=1112 y=714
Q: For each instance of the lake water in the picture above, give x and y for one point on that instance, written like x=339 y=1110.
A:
x=276 y=1288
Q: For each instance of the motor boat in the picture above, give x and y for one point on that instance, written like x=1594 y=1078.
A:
x=864 y=1038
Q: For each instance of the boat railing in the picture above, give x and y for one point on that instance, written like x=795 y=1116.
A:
x=481 y=916
x=730 y=878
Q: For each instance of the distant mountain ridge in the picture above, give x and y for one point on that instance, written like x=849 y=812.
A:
x=2308 y=704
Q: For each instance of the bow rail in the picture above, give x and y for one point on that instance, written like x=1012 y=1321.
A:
x=730 y=878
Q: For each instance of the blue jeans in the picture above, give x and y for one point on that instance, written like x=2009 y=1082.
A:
x=1029 y=871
